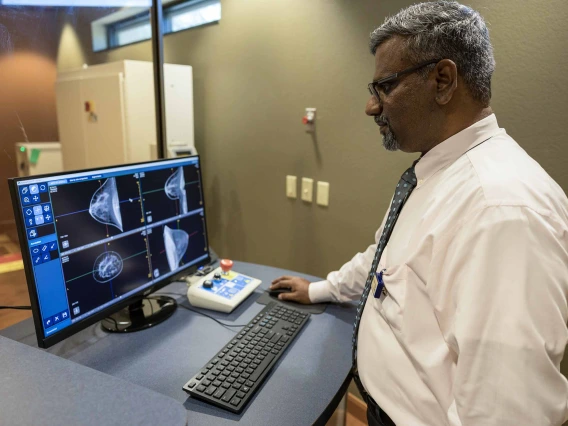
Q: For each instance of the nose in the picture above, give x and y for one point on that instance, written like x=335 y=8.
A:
x=373 y=107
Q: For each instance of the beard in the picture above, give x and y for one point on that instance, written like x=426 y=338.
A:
x=389 y=138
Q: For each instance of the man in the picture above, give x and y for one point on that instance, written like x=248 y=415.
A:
x=464 y=304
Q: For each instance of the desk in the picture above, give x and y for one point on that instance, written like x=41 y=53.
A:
x=303 y=388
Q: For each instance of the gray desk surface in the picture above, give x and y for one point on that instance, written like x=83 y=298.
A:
x=43 y=389
x=298 y=390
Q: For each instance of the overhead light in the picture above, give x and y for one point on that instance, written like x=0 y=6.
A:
x=79 y=3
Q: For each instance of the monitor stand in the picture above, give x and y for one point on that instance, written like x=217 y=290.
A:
x=141 y=314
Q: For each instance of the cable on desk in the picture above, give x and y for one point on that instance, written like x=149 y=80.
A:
x=16 y=307
x=202 y=313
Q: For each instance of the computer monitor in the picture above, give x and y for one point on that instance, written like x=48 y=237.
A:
x=98 y=241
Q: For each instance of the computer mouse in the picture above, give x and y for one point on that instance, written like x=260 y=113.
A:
x=277 y=291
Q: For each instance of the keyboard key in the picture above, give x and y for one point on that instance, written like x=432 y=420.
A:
x=192 y=384
x=245 y=389
x=261 y=367
x=219 y=393
x=226 y=385
x=249 y=383
x=228 y=395
x=211 y=390
x=240 y=395
x=235 y=401
x=201 y=388
x=206 y=382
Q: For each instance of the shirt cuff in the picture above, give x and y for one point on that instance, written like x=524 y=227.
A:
x=319 y=292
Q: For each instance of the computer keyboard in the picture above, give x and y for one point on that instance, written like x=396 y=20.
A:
x=231 y=378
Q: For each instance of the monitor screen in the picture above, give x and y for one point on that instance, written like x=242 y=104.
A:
x=91 y=240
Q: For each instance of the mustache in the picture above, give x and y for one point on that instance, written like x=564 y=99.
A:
x=381 y=120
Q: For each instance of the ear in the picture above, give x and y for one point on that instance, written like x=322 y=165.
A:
x=446 y=75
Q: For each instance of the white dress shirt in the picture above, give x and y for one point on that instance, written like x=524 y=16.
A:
x=472 y=328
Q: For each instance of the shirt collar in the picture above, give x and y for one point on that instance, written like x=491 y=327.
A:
x=455 y=146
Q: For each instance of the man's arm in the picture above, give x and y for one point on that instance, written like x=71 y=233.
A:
x=340 y=286
x=505 y=279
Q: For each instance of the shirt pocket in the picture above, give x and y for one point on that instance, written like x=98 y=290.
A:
x=391 y=305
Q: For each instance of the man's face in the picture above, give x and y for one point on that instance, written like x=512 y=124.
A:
x=406 y=103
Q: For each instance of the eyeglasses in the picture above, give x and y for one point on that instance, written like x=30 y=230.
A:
x=382 y=86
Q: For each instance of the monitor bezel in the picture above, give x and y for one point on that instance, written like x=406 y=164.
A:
x=47 y=341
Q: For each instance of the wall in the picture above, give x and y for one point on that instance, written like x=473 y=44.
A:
x=28 y=47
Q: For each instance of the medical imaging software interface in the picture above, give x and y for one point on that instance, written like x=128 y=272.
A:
x=97 y=237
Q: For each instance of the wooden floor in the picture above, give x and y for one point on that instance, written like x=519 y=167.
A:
x=13 y=287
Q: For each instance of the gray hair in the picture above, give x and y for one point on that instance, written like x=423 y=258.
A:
x=444 y=30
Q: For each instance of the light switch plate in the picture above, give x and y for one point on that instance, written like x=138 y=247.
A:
x=307 y=189
x=291 y=185
x=322 y=197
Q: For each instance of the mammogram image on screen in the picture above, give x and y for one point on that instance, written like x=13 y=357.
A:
x=108 y=265
x=175 y=188
x=170 y=192
x=176 y=244
x=89 y=211
x=105 y=205
x=103 y=272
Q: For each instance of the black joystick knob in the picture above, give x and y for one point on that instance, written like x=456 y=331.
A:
x=217 y=276
x=208 y=284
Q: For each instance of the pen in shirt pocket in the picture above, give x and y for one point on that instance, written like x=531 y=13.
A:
x=380 y=283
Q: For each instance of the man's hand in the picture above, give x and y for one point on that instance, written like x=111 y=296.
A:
x=299 y=288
